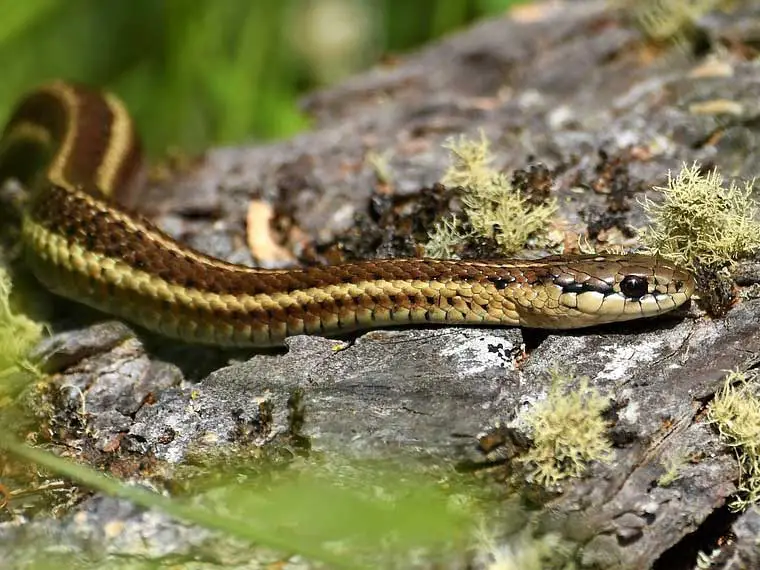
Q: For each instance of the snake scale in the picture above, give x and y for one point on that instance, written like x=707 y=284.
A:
x=75 y=149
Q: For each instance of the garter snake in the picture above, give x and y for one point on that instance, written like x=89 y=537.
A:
x=75 y=148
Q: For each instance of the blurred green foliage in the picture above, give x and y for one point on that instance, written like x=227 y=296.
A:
x=201 y=72
x=346 y=515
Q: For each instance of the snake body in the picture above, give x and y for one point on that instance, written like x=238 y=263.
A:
x=76 y=149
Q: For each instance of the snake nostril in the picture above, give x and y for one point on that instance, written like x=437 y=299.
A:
x=634 y=286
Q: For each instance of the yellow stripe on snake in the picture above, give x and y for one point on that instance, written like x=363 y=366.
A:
x=75 y=149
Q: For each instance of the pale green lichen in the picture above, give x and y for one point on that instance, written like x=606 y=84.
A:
x=735 y=412
x=568 y=430
x=18 y=334
x=380 y=164
x=706 y=560
x=471 y=162
x=525 y=551
x=492 y=207
x=673 y=465
x=446 y=238
x=699 y=221
x=671 y=20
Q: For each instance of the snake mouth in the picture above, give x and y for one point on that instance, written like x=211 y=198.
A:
x=600 y=308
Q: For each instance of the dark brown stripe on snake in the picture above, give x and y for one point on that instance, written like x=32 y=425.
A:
x=68 y=214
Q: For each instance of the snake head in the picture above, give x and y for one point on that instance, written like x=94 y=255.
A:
x=604 y=289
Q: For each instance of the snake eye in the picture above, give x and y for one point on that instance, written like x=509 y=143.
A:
x=634 y=286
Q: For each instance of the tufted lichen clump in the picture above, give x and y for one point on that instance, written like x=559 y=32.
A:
x=671 y=20
x=18 y=334
x=735 y=412
x=492 y=207
x=445 y=238
x=568 y=430
x=699 y=221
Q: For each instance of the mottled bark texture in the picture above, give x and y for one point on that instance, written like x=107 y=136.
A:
x=574 y=85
